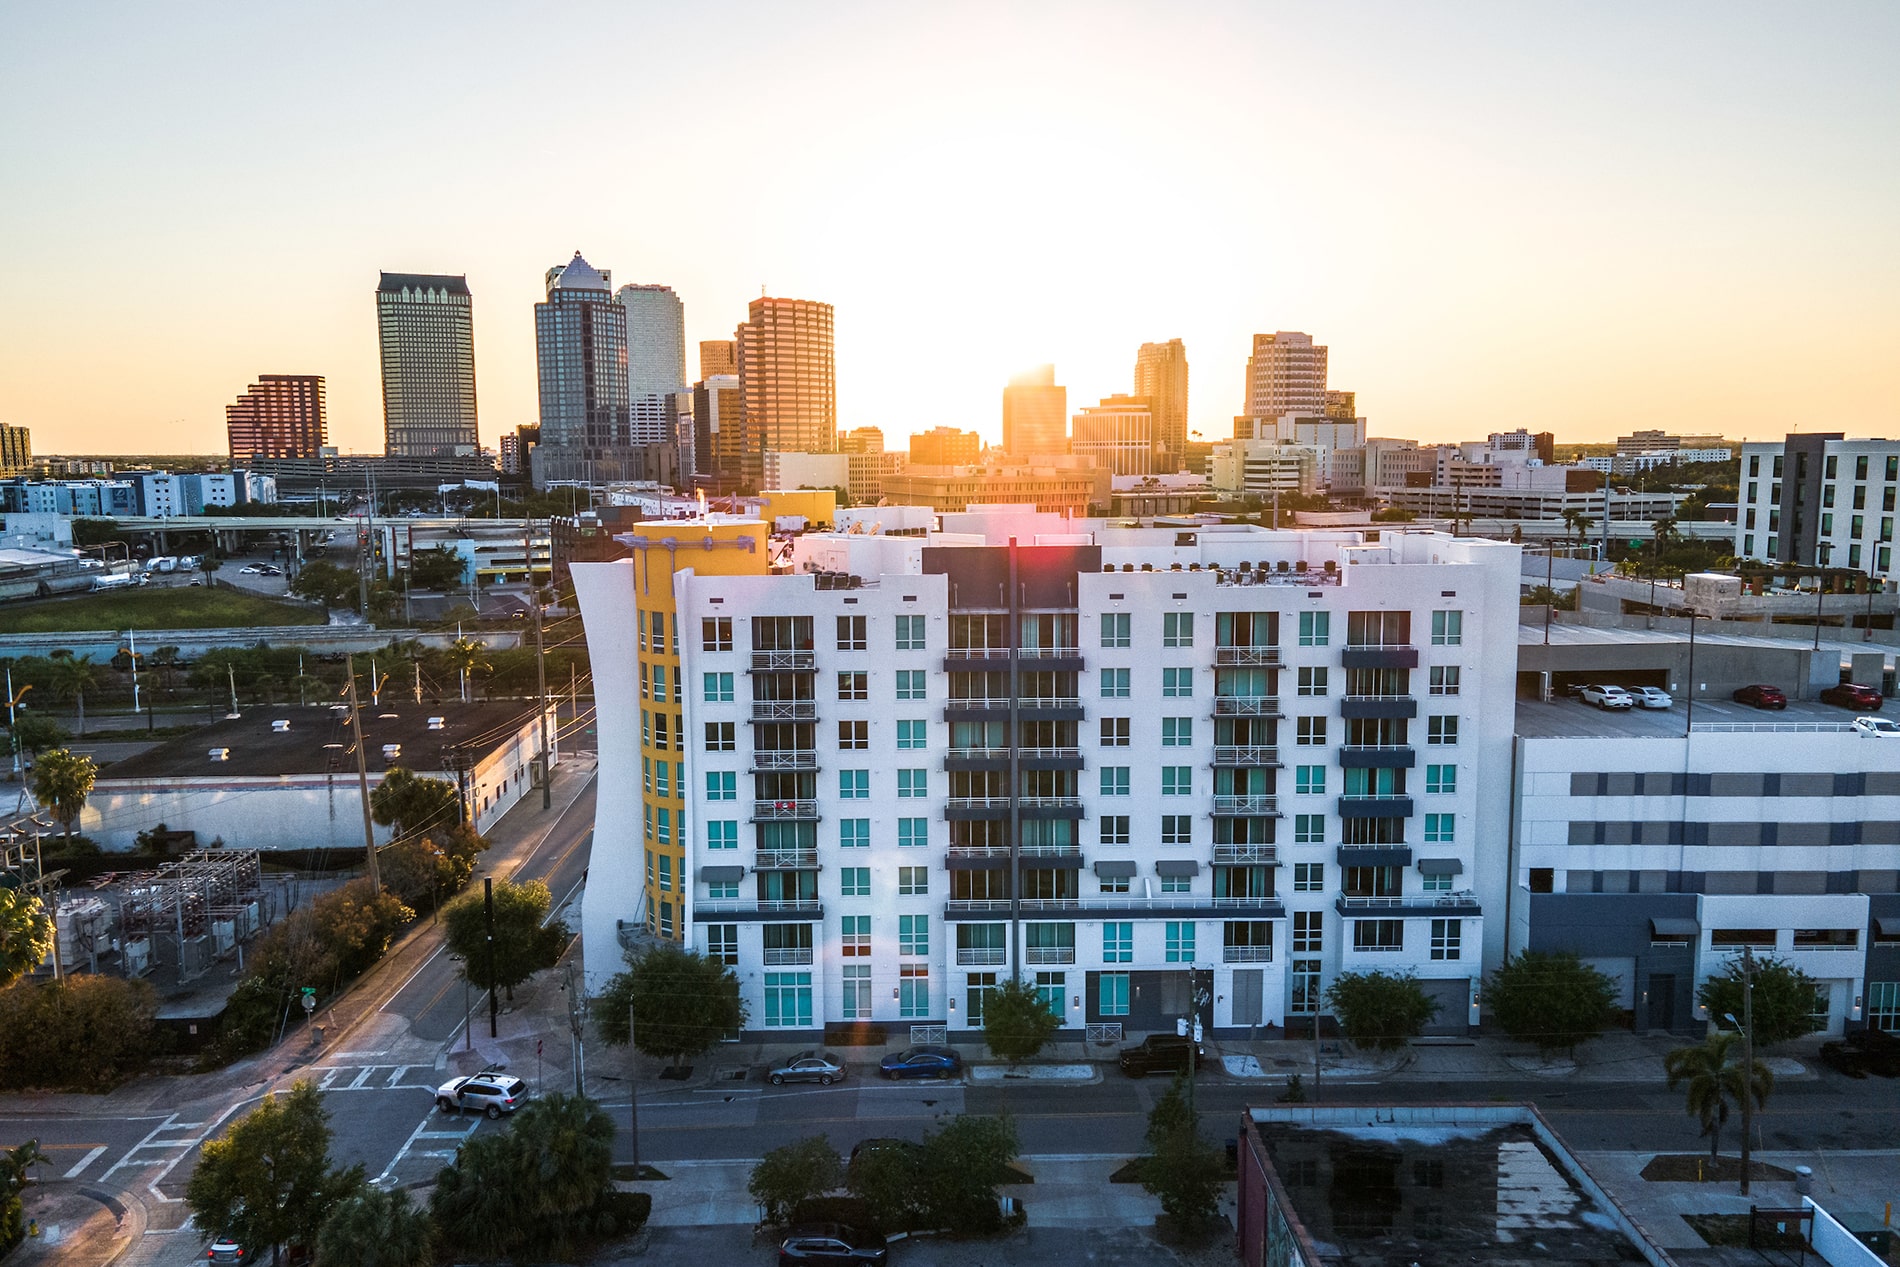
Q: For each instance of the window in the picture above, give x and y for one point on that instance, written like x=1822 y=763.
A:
x=1115 y=629
x=1310 y=779
x=910 y=684
x=854 y=685
x=1441 y=729
x=1177 y=884
x=1177 y=629
x=1312 y=681
x=722 y=833
x=722 y=943
x=1114 y=829
x=721 y=785
x=855 y=997
x=1114 y=732
x=1447 y=934
x=1050 y=987
x=1883 y=998
x=722 y=888
x=854 y=785
x=855 y=936
x=659 y=684
x=1441 y=778
x=1180 y=941
x=1177 y=683
x=659 y=633
x=1114 y=780
x=913 y=989
x=663 y=783
x=1440 y=829
x=1315 y=628
x=1378 y=934
x=912 y=784
x=788 y=1000
x=1309 y=877
x=854 y=882
x=851 y=633
x=1177 y=732
x=1114 y=884
x=1309 y=829
x=1437 y=883
x=643 y=679
x=1448 y=629
x=1177 y=829
x=715 y=633
x=1310 y=731
x=721 y=737
x=1307 y=931
x=913 y=935
x=913 y=881
x=1177 y=780
x=913 y=833
x=910 y=633
x=854 y=736
x=1444 y=679
x=718 y=687
x=1111 y=997
x=910 y=734
x=665 y=817
x=1115 y=683
x=659 y=730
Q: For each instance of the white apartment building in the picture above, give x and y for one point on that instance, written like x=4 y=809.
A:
x=1820 y=501
x=1154 y=771
x=1261 y=468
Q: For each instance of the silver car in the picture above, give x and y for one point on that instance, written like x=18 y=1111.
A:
x=819 y=1066
x=490 y=1093
x=1651 y=697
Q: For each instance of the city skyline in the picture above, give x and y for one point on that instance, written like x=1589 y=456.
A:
x=1568 y=212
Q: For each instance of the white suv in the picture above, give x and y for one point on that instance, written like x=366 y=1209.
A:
x=1608 y=697
x=492 y=1093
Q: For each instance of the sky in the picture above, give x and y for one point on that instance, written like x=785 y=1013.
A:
x=1575 y=218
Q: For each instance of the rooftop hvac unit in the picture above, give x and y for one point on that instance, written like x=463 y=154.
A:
x=391 y=751
x=138 y=957
x=436 y=723
x=281 y=727
x=220 y=754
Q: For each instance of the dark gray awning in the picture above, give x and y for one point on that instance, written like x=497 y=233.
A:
x=1440 y=866
x=1115 y=870
x=1668 y=927
x=1888 y=925
x=1182 y=867
x=720 y=875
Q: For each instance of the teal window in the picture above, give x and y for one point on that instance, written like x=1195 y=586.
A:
x=1114 y=780
x=1177 y=732
x=910 y=633
x=1112 y=994
x=1115 y=683
x=1118 y=942
x=1180 y=941
x=1441 y=778
x=1310 y=779
x=854 y=833
x=1177 y=780
x=854 y=785
x=910 y=734
x=913 y=833
x=913 y=935
x=1177 y=683
x=854 y=882
x=722 y=833
x=1448 y=629
x=1440 y=829
x=788 y=1000
x=718 y=687
x=911 y=684
x=1309 y=829
x=1177 y=629
x=1115 y=629
x=1315 y=628
x=912 y=784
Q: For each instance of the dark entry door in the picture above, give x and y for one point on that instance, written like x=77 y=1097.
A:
x=1662 y=1000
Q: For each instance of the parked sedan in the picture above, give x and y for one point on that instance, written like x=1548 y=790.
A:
x=1160 y=1053
x=1879 y=727
x=1865 y=1051
x=1761 y=695
x=1651 y=697
x=817 y=1066
x=1604 y=696
x=1854 y=695
x=833 y=1245
x=922 y=1062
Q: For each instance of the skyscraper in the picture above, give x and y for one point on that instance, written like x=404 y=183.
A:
x=427 y=334
x=1117 y=435
x=1286 y=375
x=787 y=377
x=656 y=359
x=580 y=338
x=1161 y=376
x=278 y=416
x=718 y=356
x=1343 y=406
x=1035 y=414
x=16 y=451
x=726 y=456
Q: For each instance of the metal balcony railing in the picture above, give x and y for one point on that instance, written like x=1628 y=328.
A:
x=1048 y=653
x=965 y=853
x=1250 y=756
x=1261 y=854
x=1049 y=701
x=812 y=908
x=1246 y=706
x=977 y=653
x=790 y=759
x=978 y=754
x=785 y=710
x=1066 y=754
x=1049 y=954
x=980 y=703
x=981 y=956
x=1246 y=954
x=787 y=956
x=784 y=661
x=785 y=859
x=1236 y=806
x=1247 y=656
x=977 y=802
x=794 y=809
x=1049 y=802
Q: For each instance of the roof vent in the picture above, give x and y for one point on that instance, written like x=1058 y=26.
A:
x=391 y=751
x=220 y=754
x=280 y=727
x=436 y=723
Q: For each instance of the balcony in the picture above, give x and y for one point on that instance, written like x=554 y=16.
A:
x=1048 y=954
x=977 y=754
x=981 y=956
x=1375 y=807
x=1260 y=855
x=1049 y=653
x=1049 y=806
x=974 y=659
x=1044 y=855
x=985 y=858
x=1246 y=806
x=1374 y=856
x=767 y=710
x=1396 y=656
x=1246 y=954
x=785 y=860
x=1247 y=706
x=1050 y=758
x=1377 y=757
x=989 y=704
x=1247 y=756
x=784 y=661
x=1247 y=657
x=1440 y=904
x=1049 y=707
x=1175 y=904
x=758 y=908
x=1377 y=707
x=785 y=759
x=787 y=956
x=780 y=811
x=976 y=803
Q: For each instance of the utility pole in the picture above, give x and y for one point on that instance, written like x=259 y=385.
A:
x=541 y=686
x=633 y=1091
x=494 y=1003
x=1748 y=1057
x=362 y=774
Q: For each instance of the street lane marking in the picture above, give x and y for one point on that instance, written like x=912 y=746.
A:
x=423 y=1132
x=329 y=1076
x=395 y=1075
x=362 y=1077
x=85 y=1161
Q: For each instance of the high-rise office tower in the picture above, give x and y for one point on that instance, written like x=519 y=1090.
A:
x=1035 y=414
x=1286 y=375
x=787 y=376
x=278 y=416
x=1161 y=375
x=1117 y=435
x=945 y=446
x=16 y=451
x=1342 y=406
x=580 y=338
x=718 y=356
x=427 y=334
x=728 y=457
x=656 y=359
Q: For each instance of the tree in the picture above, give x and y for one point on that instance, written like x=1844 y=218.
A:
x=961 y=1166
x=85 y=1031
x=1182 y=1169
x=437 y=568
x=95 y=532
x=1552 y=999
x=522 y=946
x=33 y=732
x=794 y=1173
x=536 y=1190
x=1379 y=1010
x=1546 y=596
x=268 y=1180
x=14 y=1178
x=412 y=803
x=73 y=676
x=26 y=935
x=1016 y=1021
x=1714 y=1083
x=1784 y=1002
x=376 y=1229
x=683 y=1003
x=326 y=583
x=61 y=783
x=467 y=656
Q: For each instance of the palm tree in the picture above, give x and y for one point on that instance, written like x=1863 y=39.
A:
x=376 y=1229
x=465 y=657
x=73 y=676
x=165 y=660
x=61 y=783
x=1714 y=1083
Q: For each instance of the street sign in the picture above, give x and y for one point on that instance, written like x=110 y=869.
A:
x=309 y=999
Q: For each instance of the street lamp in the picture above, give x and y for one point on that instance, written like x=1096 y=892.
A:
x=1747 y=1026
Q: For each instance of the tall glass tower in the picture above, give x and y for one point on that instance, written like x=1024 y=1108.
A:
x=580 y=338
x=656 y=359
x=427 y=334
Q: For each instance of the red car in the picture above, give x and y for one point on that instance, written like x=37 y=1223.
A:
x=1761 y=695
x=1854 y=695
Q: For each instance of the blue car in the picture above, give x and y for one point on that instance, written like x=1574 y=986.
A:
x=922 y=1062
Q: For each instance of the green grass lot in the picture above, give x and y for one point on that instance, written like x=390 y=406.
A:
x=185 y=607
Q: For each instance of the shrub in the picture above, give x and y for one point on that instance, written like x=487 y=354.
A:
x=1379 y=1010
x=83 y=1032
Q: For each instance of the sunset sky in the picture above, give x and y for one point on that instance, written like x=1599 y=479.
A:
x=1577 y=218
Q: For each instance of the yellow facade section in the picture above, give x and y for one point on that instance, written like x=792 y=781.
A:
x=819 y=506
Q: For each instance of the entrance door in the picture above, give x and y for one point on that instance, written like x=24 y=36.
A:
x=1662 y=1000
x=1249 y=987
